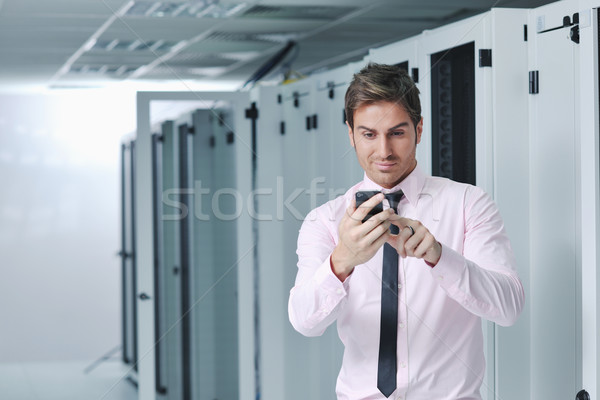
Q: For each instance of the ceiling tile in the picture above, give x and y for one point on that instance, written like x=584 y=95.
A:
x=61 y=7
x=169 y=29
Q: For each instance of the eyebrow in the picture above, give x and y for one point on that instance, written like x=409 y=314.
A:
x=400 y=125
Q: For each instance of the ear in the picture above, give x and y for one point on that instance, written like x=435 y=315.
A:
x=350 y=134
x=419 y=130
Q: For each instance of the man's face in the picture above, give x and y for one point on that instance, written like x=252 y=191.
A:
x=385 y=140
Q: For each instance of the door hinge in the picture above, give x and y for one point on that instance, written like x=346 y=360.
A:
x=282 y=127
x=296 y=99
x=252 y=112
x=485 y=57
x=525 y=33
x=534 y=82
x=331 y=87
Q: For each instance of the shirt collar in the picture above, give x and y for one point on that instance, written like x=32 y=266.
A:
x=412 y=185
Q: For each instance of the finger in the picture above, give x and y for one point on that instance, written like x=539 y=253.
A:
x=362 y=210
x=380 y=241
x=424 y=246
x=377 y=220
x=377 y=232
x=402 y=222
x=403 y=236
x=413 y=241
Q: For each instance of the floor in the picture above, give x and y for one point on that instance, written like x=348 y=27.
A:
x=66 y=381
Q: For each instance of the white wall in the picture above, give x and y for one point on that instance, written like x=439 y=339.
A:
x=59 y=223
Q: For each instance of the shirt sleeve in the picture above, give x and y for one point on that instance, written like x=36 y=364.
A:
x=318 y=294
x=483 y=279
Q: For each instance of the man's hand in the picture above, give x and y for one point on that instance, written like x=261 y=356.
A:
x=422 y=244
x=358 y=241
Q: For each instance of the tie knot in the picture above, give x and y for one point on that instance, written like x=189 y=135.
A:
x=394 y=199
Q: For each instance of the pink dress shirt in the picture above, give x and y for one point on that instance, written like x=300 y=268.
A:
x=440 y=339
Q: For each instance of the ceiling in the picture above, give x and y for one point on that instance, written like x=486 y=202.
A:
x=63 y=43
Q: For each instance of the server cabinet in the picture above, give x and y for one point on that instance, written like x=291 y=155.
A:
x=473 y=93
x=197 y=350
x=227 y=205
x=271 y=291
x=297 y=173
x=556 y=172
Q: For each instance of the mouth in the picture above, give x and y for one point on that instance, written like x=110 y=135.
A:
x=385 y=166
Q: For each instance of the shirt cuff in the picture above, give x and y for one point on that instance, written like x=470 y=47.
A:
x=326 y=279
x=449 y=268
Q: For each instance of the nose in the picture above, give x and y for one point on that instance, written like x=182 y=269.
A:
x=384 y=146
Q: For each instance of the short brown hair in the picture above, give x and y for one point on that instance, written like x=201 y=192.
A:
x=380 y=82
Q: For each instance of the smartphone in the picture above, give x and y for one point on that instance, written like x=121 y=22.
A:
x=362 y=196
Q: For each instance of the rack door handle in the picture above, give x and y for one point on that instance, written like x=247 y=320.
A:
x=144 y=296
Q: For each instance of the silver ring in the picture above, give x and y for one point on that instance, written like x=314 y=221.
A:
x=412 y=231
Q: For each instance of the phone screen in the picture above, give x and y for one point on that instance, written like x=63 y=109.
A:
x=365 y=195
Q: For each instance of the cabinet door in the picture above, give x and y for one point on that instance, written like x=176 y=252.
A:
x=204 y=317
x=170 y=256
x=297 y=171
x=555 y=264
x=272 y=322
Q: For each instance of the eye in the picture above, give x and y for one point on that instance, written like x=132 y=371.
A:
x=368 y=135
x=397 y=133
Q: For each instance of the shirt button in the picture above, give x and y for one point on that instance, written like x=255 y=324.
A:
x=401 y=325
x=399 y=286
x=339 y=291
x=403 y=365
x=440 y=278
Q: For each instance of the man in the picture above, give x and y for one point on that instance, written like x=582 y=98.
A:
x=451 y=261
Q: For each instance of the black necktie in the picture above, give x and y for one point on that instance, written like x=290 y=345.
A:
x=386 y=369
